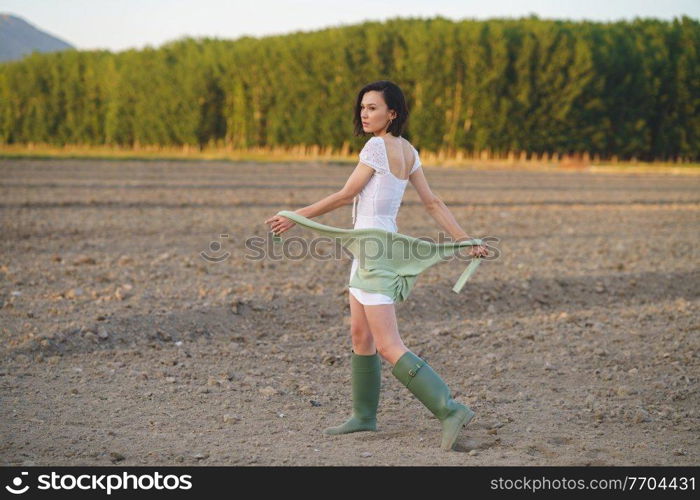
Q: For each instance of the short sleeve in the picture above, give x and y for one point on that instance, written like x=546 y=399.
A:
x=416 y=163
x=374 y=154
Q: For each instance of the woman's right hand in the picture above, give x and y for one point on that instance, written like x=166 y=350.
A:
x=279 y=224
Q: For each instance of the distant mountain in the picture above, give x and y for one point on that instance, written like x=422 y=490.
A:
x=19 y=38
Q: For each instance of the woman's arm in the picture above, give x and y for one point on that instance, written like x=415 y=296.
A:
x=357 y=180
x=443 y=216
x=327 y=204
x=436 y=208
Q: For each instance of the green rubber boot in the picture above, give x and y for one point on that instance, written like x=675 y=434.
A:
x=366 y=382
x=417 y=375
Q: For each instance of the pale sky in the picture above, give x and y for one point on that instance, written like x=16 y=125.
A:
x=121 y=24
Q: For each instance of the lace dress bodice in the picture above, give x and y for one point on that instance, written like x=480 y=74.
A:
x=378 y=203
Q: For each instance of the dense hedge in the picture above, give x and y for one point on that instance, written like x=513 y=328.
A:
x=629 y=88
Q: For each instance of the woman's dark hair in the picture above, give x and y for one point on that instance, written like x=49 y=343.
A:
x=394 y=98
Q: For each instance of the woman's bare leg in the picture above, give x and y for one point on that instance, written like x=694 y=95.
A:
x=366 y=375
x=385 y=331
x=414 y=373
x=362 y=341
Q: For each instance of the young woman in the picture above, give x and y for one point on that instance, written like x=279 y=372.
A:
x=387 y=163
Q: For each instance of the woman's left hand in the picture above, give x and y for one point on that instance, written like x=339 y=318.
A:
x=279 y=224
x=475 y=250
x=479 y=251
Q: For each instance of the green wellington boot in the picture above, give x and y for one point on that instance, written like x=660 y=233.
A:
x=417 y=375
x=366 y=382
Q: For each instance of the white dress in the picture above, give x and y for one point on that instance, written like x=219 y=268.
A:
x=378 y=204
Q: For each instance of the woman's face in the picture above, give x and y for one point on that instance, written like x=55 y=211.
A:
x=374 y=113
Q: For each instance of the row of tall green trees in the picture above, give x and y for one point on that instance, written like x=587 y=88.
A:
x=628 y=88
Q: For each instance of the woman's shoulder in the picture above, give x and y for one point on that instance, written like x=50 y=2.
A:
x=372 y=145
x=408 y=142
x=373 y=153
x=371 y=142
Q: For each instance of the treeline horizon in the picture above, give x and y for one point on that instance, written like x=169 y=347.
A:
x=623 y=90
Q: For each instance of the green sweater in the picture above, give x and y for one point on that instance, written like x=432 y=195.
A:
x=389 y=262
